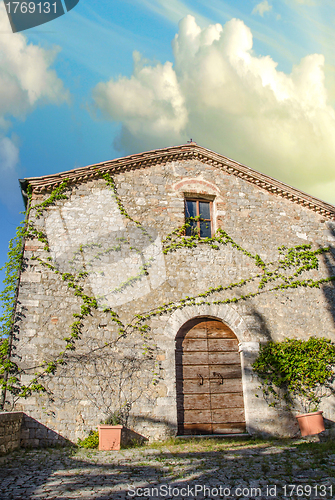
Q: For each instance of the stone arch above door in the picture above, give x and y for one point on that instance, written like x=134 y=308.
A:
x=223 y=312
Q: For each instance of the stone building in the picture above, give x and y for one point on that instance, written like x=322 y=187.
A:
x=123 y=307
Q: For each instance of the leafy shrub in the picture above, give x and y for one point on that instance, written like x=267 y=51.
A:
x=91 y=441
x=296 y=371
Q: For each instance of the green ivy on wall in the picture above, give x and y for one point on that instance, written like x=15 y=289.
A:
x=272 y=276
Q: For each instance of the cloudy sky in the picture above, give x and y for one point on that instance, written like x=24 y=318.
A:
x=252 y=80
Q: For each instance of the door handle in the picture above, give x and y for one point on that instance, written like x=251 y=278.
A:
x=201 y=379
x=218 y=375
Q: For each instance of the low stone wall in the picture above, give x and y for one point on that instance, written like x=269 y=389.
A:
x=36 y=435
x=19 y=430
x=10 y=430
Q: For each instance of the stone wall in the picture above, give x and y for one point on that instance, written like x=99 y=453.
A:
x=19 y=430
x=127 y=270
x=36 y=435
x=10 y=431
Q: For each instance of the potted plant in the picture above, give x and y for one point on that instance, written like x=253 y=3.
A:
x=298 y=374
x=110 y=430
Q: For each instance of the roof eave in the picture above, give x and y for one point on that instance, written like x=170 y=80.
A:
x=184 y=152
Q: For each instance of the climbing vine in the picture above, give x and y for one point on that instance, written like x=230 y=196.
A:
x=272 y=276
x=9 y=369
x=111 y=183
x=177 y=239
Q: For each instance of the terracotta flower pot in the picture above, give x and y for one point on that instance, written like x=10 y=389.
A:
x=109 y=437
x=311 y=423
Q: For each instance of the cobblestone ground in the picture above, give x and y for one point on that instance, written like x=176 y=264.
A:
x=175 y=469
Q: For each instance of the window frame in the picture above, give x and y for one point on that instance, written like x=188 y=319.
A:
x=199 y=200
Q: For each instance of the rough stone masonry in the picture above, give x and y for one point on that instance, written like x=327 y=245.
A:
x=125 y=269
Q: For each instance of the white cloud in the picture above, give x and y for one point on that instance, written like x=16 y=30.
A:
x=9 y=155
x=149 y=104
x=25 y=76
x=261 y=8
x=228 y=99
x=9 y=173
x=25 y=80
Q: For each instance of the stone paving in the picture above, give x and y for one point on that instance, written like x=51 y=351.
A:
x=176 y=469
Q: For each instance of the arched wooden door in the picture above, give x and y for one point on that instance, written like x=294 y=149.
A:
x=209 y=379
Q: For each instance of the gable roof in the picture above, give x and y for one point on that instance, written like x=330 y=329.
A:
x=177 y=153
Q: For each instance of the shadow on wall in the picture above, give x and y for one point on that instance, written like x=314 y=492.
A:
x=286 y=416
x=131 y=438
x=284 y=422
x=36 y=435
x=146 y=421
x=329 y=288
x=330 y=428
x=260 y=325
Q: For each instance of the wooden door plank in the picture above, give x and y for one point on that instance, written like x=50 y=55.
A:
x=228 y=415
x=234 y=428
x=197 y=401
x=229 y=385
x=228 y=358
x=197 y=332
x=197 y=429
x=192 y=371
x=191 y=386
x=219 y=330
x=226 y=371
x=227 y=400
x=197 y=416
x=222 y=345
x=193 y=345
x=194 y=358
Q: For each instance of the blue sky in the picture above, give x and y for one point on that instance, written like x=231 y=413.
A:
x=253 y=80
